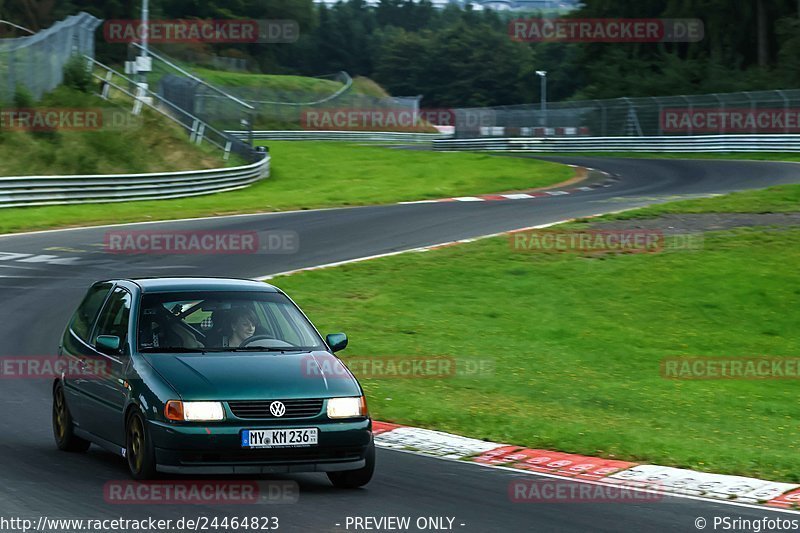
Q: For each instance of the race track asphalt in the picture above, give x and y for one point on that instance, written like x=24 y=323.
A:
x=43 y=276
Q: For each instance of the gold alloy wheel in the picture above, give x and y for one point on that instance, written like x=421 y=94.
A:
x=135 y=443
x=60 y=413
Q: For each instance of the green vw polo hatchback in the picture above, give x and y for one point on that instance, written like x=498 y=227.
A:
x=209 y=376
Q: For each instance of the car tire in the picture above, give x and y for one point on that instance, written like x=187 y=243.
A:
x=140 y=453
x=353 y=479
x=63 y=426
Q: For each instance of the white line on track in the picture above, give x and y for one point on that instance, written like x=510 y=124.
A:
x=429 y=247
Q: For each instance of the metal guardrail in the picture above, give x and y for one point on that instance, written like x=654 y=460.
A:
x=198 y=130
x=704 y=143
x=373 y=136
x=59 y=190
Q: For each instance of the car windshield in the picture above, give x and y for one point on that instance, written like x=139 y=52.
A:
x=213 y=321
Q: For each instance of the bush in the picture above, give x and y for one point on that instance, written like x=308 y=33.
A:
x=76 y=75
x=23 y=98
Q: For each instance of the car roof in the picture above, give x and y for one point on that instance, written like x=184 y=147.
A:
x=170 y=284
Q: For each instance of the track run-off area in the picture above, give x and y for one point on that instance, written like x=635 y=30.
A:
x=43 y=275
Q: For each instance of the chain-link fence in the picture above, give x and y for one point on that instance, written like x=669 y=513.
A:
x=757 y=112
x=285 y=109
x=173 y=82
x=233 y=101
x=37 y=62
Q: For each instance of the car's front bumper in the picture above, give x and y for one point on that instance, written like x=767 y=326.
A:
x=195 y=449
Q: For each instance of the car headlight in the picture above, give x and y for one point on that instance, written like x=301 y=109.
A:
x=194 y=411
x=347 y=407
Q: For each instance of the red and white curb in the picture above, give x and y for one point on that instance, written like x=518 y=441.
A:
x=524 y=195
x=496 y=197
x=512 y=196
x=661 y=479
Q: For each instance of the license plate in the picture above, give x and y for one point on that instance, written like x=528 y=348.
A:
x=279 y=438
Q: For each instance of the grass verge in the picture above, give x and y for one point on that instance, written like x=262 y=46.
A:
x=149 y=144
x=576 y=344
x=316 y=174
x=778 y=199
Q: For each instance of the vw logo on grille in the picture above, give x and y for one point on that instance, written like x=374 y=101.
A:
x=277 y=409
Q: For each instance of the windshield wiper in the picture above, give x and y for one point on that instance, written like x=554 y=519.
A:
x=259 y=349
x=172 y=349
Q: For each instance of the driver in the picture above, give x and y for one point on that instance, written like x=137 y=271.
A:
x=242 y=326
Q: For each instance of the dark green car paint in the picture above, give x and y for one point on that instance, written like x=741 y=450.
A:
x=100 y=403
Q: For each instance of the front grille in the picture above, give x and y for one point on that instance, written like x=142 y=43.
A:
x=260 y=409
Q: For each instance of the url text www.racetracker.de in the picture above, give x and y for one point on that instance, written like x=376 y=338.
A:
x=123 y=525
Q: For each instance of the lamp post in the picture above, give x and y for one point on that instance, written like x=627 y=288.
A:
x=543 y=77
x=145 y=42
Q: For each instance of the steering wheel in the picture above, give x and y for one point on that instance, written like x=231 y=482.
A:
x=255 y=338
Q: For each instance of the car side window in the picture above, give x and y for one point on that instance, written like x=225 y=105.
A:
x=115 y=315
x=83 y=320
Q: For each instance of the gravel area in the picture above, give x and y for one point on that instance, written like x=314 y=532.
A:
x=703 y=221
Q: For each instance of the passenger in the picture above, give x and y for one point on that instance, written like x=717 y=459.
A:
x=160 y=329
x=242 y=326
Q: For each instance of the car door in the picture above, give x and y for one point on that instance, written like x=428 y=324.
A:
x=75 y=349
x=105 y=394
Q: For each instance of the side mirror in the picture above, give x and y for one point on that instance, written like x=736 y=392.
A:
x=108 y=344
x=337 y=341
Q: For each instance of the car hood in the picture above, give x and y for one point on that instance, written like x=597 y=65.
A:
x=255 y=376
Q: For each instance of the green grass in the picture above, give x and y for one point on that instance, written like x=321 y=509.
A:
x=273 y=82
x=778 y=199
x=317 y=174
x=363 y=85
x=576 y=343
x=160 y=146
x=297 y=89
x=299 y=84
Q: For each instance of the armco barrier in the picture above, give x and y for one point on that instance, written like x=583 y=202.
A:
x=700 y=143
x=370 y=136
x=59 y=190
